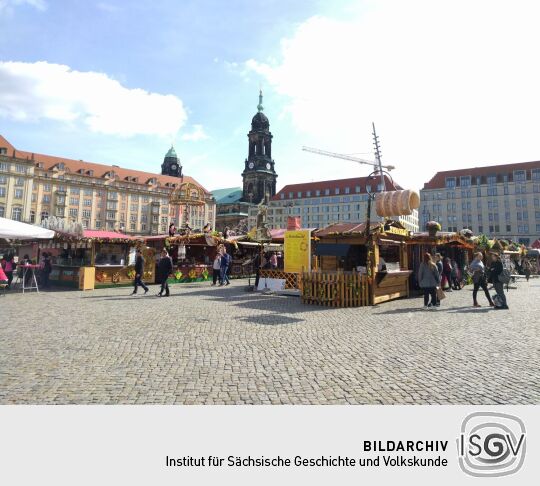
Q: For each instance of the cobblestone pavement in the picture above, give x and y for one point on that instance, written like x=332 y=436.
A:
x=223 y=345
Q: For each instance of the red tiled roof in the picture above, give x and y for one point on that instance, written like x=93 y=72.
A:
x=438 y=181
x=49 y=161
x=340 y=184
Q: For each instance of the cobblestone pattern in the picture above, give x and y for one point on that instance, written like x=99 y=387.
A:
x=223 y=345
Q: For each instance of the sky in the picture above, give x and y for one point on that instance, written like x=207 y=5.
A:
x=448 y=85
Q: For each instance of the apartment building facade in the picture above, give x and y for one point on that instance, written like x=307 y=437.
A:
x=319 y=204
x=35 y=186
x=502 y=201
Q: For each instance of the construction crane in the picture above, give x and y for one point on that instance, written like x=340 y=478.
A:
x=374 y=163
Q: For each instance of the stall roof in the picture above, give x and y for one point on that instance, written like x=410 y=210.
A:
x=105 y=235
x=441 y=238
x=15 y=230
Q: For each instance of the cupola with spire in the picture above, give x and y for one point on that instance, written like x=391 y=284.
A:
x=171 y=164
x=259 y=176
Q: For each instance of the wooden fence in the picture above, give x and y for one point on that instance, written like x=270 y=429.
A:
x=335 y=289
x=292 y=280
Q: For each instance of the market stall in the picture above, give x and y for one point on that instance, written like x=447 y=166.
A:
x=192 y=254
x=358 y=266
x=455 y=246
x=95 y=259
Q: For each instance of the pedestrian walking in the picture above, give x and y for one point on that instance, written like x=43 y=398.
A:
x=273 y=262
x=165 y=268
x=46 y=270
x=479 y=279
x=428 y=279
x=439 y=264
x=172 y=229
x=216 y=269
x=139 y=269
x=447 y=275
x=495 y=270
x=456 y=275
x=527 y=269
x=9 y=268
x=224 y=267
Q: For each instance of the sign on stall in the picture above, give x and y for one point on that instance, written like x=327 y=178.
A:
x=297 y=251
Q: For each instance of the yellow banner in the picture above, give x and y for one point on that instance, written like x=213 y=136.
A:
x=297 y=251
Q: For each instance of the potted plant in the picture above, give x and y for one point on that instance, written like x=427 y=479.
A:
x=432 y=227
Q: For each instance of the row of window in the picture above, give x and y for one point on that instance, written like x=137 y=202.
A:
x=327 y=192
x=21 y=169
x=518 y=176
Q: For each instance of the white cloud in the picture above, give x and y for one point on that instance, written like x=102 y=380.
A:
x=44 y=91
x=9 y=4
x=197 y=134
x=447 y=84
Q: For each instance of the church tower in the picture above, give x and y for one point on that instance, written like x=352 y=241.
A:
x=259 y=176
x=171 y=164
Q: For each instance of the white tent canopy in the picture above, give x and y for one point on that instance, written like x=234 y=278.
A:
x=15 y=230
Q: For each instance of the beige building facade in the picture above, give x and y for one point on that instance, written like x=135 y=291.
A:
x=501 y=201
x=100 y=197
x=319 y=204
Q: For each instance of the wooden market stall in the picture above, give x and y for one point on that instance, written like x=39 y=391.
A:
x=455 y=246
x=192 y=254
x=95 y=259
x=358 y=267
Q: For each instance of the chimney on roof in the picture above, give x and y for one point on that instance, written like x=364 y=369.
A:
x=32 y=158
x=14 y=153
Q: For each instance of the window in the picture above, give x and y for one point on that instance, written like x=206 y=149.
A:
x=154 y=219
x=60 y=212
x=537 y=215
x=143 y=226
x=480 y=229
x=507 y=216
x=111 y=215
x=520 y=176
x=4 y=166
x=74 y=190
x=491 y=191
x=299 y=194
x=86 y=213
x=61 y=189
x=98 y=224
x=16 y=213
x=2 y=192
x=536 y=202
x=74 y=201
x=282 y=195
x=3 y=179
x=18 y=195
x=21 y=169
x=73 y=212
x=327 y=192
x=479 y=218
x=87 y=202
x=134 y=208
x=133 y=217
x=450 y=182
x=535 y=174
x=317 y=193
x=88 y=192
x=163 y=220
x=111 y=205
x=46 y=188
x=61 y=199
x=19 y=181
x=465 y=181
x=308 y=193
x=536 y=188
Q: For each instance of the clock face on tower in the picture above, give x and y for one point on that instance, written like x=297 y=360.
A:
x=251 y=165
x=268 y=166
x=174 y=167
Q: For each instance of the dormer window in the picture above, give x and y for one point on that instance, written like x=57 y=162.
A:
x=152 y=181
x=90 y=173
x=81 y=171
x=39 y=165
x=60 y=166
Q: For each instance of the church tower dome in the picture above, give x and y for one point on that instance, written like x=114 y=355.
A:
x=171 y=164
x=259 y=176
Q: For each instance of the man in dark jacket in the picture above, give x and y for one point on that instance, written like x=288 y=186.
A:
x=225 y=264
x=139 y=269
x=165 y=268
x=495 y=270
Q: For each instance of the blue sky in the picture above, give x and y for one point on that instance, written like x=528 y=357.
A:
x=116 y=81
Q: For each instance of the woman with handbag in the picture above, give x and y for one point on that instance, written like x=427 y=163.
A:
x=428 y=279
x=495 y=271
x=479 y=279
